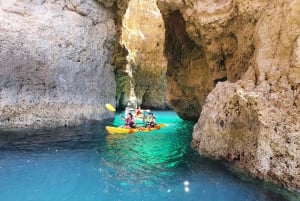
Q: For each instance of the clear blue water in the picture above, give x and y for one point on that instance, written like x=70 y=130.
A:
x=84 y=163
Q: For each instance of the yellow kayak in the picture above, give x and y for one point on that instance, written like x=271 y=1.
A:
x=120 y=130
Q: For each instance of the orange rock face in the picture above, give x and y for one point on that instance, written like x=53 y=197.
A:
x=236 y=65
x=142 y=75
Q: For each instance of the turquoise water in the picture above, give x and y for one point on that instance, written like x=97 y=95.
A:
x=84 y=164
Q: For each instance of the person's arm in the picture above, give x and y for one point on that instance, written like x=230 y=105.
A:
x=133 y=122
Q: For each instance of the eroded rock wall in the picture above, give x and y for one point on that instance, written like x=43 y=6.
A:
x=187 y=73
x=145 y=41
x=141 y=65
x=213 y=42
x=55 y=62
x=251 y=117
x=120 y=61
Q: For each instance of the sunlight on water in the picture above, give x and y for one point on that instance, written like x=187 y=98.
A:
x=84 y=163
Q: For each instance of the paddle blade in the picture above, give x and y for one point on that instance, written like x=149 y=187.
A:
x=110 y=107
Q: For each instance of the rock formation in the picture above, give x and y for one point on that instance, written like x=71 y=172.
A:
x=55 y=62
x=233 y=63
x=237 y=62
x=141 y=65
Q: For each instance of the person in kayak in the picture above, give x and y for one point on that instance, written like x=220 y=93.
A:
x=150 y=121
x=129 y=121
x=138 y=111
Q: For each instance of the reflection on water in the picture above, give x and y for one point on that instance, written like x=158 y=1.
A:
x=84 y=163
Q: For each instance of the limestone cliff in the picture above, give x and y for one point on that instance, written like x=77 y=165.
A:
x=237 y=62
x=141 y=65
x=55 y=62
x=234 y=63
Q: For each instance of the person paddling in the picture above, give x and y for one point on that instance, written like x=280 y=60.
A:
x=138 y=111
x=129 y=121
x=150 y=121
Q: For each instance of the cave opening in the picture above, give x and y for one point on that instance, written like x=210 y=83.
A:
x=162 y=66
x=187 y=72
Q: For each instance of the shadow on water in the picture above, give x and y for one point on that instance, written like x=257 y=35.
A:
x=63 y=138
x=85 y=163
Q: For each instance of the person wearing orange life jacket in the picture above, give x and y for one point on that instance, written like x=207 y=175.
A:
x=150 y=121
x=129 y=121
x=139 y=111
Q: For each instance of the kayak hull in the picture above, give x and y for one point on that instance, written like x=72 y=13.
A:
x=119 y=130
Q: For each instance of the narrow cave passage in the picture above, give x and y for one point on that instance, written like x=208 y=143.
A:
x=144 y=70
x=162 y=66
x=187 y=73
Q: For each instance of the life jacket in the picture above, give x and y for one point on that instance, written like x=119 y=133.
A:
x=150 y=121
x=129 y=122
x=138 y=112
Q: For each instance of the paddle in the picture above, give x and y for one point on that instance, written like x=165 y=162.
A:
x=110 y=107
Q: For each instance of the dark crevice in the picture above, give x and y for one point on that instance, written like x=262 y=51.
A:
x=180 y=50
x=223 y=79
